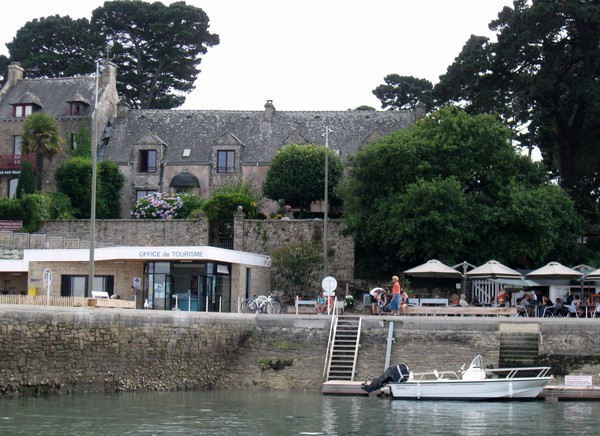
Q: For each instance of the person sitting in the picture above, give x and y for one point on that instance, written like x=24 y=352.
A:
x=521 y=308
x=403 y=302
x=576 y=308
x=384 y=301
x=321 y=305
x=502 y=299
x=545 y=308
x=463 y=301
x=528 y=304
x=454 y=301
x=475 y=301
x=559 y=308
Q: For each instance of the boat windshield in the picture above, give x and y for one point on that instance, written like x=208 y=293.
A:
x=477 y=363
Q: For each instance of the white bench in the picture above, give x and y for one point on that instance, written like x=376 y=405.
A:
x=101 y=299
x=313 y=303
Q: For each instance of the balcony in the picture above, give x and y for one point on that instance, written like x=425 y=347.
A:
x=11 y=163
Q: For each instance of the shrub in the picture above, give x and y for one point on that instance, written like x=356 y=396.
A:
x=157 y=206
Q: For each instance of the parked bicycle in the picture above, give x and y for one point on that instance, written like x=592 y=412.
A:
x=261 y=304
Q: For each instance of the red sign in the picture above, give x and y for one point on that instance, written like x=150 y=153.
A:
x=11 y=225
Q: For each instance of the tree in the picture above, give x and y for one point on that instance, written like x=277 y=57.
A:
x=158 y=49
x=109 y=183
x=26 y=183
x=40 y=136
x=56 y=46
x=404 y=92
x=296 y=175
x=456 y=190
x=74 y=179
x=297 y=267
x=543 y=75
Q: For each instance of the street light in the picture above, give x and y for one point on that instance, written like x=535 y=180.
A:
x=326 y=200
x=90 y=287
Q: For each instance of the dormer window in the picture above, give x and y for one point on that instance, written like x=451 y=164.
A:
x=22 y=110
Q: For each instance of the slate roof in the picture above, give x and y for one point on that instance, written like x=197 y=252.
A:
x=53 y=95
x=200 y=130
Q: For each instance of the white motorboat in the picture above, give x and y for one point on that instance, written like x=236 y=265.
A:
x=473 y=383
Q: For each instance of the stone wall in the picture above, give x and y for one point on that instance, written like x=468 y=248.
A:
x=262 y=236
x=253 y=236
x=69 y=350
x=133 y=232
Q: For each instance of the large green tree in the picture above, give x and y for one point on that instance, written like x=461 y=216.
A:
x=56 y=46
x=296 y=175
x=452 y=188
x=404 y=92
x=543 y=75
x=157 y=48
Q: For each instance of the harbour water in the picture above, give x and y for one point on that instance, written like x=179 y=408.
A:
x=286 y=413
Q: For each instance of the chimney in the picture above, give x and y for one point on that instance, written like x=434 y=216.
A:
x=269 y=110
x=15 y=73
x=420 y=111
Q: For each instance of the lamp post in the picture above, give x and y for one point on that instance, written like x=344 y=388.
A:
x=90 y=287
x=326 y=201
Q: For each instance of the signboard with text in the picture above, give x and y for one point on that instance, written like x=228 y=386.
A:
x=11 y=225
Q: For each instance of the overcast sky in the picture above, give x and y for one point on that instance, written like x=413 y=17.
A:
x=308 y=54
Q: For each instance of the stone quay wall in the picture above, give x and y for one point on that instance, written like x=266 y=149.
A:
x=78 y=350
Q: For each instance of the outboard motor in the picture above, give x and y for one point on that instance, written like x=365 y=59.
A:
x=397 y=373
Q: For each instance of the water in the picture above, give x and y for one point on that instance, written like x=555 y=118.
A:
x=283 y=413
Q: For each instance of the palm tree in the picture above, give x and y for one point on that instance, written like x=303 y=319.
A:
x=40 y=136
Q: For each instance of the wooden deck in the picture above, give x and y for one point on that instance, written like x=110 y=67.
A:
x=342 y=387
x=567 y=393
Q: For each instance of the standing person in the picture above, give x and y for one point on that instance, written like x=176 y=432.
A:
x=133 y=291
x=396 y=296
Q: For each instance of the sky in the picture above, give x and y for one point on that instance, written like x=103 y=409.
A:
x=309 y=54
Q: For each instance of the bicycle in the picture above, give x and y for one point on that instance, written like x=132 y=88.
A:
x=261 y=304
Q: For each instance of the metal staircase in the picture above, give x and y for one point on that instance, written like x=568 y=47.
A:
x=342 y=351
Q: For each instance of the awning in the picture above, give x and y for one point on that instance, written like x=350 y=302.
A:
x=516 y=282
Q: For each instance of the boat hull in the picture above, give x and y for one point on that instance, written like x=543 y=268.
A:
x=487 y=389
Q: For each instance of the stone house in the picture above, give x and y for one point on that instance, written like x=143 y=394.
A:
x=70 y=100
x=196 y=150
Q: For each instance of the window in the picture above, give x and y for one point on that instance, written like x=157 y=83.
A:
x=142 y=194
x=147 y=163
x=22 y=110
x=17 y=144
x=225 y=161
x=76 y=108
x=12 y=187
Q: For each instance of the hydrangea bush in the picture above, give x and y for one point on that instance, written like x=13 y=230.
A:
x=157 y=206
x=349 y=302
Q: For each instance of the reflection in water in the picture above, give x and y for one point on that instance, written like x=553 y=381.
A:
x=285 y=413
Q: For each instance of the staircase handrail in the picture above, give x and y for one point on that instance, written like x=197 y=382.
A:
x=356 y=349
x=332 y=332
